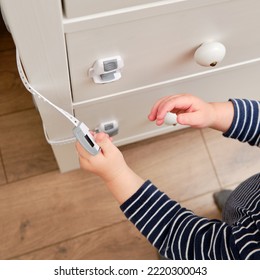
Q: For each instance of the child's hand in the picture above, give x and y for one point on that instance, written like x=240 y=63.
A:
x=110 y=165
x=107 y=164
x=190 y=111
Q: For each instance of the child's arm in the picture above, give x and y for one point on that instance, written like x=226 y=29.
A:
x=110 y=165
x=175 y=231
x=194 y=112
x=238 y=118
x=245 y=126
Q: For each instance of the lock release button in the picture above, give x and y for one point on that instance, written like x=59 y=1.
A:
x=106 y=70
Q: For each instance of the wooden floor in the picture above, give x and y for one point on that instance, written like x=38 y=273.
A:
x=48 y=215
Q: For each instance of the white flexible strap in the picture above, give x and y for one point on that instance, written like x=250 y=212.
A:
x=33 y=91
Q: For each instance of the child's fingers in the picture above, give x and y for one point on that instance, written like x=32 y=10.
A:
x=164 y=105
x=99 y=137
x=85 y=154
x=84 y=157
x=81 y=151
x=153 y=113
x=104 y=141
x=175 y=104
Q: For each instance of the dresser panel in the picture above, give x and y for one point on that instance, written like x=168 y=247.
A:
x=159 y=48
x=78 y=8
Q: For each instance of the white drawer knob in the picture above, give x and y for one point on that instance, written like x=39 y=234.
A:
x=170 y=119
x=210 y=54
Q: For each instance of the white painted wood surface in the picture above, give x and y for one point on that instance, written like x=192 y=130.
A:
x=78 y=8
x=159 y=45
x=37 y=29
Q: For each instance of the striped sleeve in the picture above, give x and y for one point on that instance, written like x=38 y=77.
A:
x=179 y=234
x=245 y=126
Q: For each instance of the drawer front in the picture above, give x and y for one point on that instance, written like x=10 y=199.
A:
x=131 y=110
x=158 y=45
x=78 y=8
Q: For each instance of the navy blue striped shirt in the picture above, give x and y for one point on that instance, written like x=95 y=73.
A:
x=246 y=122
x=179 y=234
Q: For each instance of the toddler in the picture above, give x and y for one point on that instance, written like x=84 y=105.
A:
x=175 y=231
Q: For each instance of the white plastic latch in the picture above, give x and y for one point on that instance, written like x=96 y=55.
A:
x=106 y=70
x=109 y=127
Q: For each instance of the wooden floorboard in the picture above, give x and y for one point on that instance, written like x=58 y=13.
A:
x=234 y=161
x=117 y=242
x=25 y=152
x=2 y=174
x=14 y=97
x=52 y=207
x=177 y=162
x=6 y=39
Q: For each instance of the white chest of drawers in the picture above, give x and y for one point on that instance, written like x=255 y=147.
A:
x=60 y=40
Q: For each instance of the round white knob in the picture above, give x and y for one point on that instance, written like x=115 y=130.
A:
x=170 y=119
x=210 y=54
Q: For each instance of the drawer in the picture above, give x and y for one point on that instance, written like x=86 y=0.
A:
x=78 y=8
x=158 y=44
x=131 y=110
